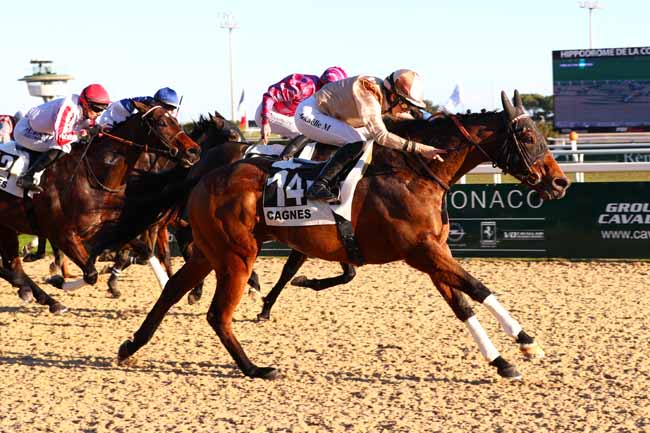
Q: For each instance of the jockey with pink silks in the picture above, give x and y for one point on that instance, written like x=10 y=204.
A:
x=52 y=127
x=276 y=112
x=349 y=112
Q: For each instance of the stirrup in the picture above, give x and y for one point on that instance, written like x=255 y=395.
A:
x=28 y=183
x=320 y=191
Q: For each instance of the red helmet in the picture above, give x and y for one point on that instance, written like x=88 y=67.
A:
x=94 y=94
x=331 y=74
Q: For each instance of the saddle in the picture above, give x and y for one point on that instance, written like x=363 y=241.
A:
x=14 y=161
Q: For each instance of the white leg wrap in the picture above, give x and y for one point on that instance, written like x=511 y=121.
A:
x=481 y=338
x=509 y=325
x=158 y=271
x=69 y=286
x=116 y=272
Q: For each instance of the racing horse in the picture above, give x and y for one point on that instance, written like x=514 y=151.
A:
x=84 y=197
x=401 y=196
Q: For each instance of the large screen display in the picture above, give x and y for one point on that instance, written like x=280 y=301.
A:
x=605 y=89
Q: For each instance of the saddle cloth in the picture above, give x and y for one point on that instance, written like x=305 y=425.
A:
x=276 y=149
x=284 y=201
x=13 y=163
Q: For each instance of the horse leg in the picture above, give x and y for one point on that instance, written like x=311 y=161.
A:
x=13 y=272
x=231 y=282
x=294 y=262
x=122 y=261
x=184 y=240
x=193 y=271
x=348 y=274
x=162 y=249
x=38 y=242
x=447 y=274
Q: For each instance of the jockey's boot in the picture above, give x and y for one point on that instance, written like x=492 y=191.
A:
x=44 y=160
x=346 y=155
x=294 y=147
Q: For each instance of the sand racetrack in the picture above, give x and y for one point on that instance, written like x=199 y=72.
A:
x=382 y=354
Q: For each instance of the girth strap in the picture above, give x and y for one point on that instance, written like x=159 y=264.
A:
x=348 y=240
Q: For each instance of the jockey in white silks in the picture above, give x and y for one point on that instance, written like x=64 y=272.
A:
x=349 y=112
x=52 y=127
x=121 y=110
x=276 y=112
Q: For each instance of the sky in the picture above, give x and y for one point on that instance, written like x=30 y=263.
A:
x=135 y=47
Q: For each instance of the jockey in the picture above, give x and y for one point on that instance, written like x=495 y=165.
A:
x=276 y=112
x=52 y=127
x=6 y=128
x=121 y=110
x=349 y=112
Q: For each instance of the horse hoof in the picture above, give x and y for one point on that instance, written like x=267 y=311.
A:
x=509 y=373
x=58 y=308
x=32 y=257
x=505 y=369
x=532 y=351
x=56 y=281
x=114 y=293
x=300 y=281
x=25 y=294
x=263 y=316
x=123 y=356
x=55 y=269
x=264 y=373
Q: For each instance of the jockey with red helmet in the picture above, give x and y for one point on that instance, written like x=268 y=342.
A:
x=276 y=112
x=52 y=127
x=349 y=112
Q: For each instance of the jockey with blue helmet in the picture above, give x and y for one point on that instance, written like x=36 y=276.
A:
x=121 y=110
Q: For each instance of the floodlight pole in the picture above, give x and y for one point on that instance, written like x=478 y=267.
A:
x=591 y=6
x=228 y=22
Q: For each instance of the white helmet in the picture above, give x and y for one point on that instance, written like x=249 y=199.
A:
x=407 y=85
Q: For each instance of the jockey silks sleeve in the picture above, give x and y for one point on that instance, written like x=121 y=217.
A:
x=358 y=101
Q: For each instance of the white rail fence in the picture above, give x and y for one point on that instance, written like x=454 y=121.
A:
x=636 y=156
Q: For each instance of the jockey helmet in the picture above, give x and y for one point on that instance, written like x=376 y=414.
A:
x=167 y=96
x=94 y=97
x=407 y=85
x=331 y=74
x=18 y=115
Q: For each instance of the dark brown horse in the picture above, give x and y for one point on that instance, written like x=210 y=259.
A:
x=402 y=197
x=84 y=198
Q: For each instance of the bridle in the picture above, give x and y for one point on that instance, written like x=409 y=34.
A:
x=504 y=155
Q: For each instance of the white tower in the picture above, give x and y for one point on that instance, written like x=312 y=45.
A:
x=44 y=83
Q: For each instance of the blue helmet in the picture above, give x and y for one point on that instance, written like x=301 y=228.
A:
x=167 y=96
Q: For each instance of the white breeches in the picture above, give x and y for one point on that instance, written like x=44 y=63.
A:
x=33 y=140
x=280 y=124
x=314 y=124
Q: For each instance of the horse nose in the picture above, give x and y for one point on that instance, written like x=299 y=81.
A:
x=561 y=183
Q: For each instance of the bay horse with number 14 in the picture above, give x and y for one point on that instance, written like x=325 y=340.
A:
x=401 y=196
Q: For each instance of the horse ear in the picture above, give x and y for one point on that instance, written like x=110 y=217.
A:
x=507 y=106
x=517 y=99
x=219 y=121
x=140 y=106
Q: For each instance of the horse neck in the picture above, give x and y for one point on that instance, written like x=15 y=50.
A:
x=488 y=133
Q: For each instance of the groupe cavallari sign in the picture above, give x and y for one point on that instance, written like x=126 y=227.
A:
x=593 y=220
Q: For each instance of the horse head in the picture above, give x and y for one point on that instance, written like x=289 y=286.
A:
x=525 y=154
x=163 y=132
x=214 y=130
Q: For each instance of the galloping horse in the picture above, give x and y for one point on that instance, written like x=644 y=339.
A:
x=80 y=209
x=402 y=197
